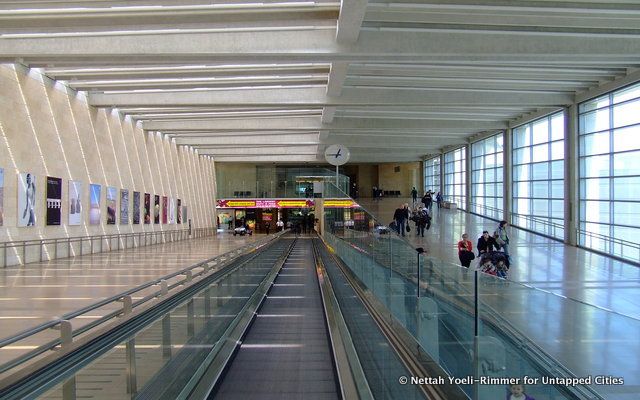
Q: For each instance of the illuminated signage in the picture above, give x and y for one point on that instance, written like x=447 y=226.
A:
x=340 y=203
x=265 y=203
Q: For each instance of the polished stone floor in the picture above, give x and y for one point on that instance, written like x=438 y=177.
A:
x=38 y=292
x=537 y=261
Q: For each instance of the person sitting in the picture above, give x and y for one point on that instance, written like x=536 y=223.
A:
x=486 y=243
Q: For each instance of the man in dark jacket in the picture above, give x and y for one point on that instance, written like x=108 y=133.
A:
x=400 y=216
x=486 y=243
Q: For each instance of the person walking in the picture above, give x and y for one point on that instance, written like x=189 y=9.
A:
x=279 y=225
x=439 y=199
x=267 y=227
x=421 y=222
x=400 y=217
x=502 y=238
x=465 y=251
x=414 y=195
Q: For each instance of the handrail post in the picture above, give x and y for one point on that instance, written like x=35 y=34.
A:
x=24 y=253
x=188 y=276
x=127 y=305
x=164 y=287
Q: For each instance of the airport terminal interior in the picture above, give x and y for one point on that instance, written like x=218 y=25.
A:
x=323 y=199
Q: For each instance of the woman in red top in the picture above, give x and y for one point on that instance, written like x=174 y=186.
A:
x=465 y=251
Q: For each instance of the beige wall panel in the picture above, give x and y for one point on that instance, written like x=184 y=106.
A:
x=404 y=180
x=48 y=129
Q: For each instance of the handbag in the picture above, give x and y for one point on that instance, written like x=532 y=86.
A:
x=408 y=228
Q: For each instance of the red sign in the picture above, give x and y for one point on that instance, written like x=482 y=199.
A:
x=265 y=203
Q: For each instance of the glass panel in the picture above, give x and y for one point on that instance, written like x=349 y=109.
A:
x=596 y=211
x=594 y=121
x=540 y=207
x=499 y=142
x=521 y=189
x=521 y=172
x=490 y=160
x=541 y=131
x=626 y=163
x=522 y=156
x=540 y=189
x=490 y=189
x=521 y=136
x=593 y=104
x=490 y=175
x=557 y=209
x=522 y=206
x=597 y=143
x=476 y=163
x=557 y=150
x=540 y=171
x=557 y=189
x=632 y=92
x=626 y=114
x=625 y=213
x=557 y=170
x=540 y=152
x=626 y=189
x=476 y=176
x=627 y=233
x=595 y=189
x=594 y=166
x=626 y=139
x=557 y=126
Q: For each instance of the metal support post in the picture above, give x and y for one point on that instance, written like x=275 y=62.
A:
x=191 y=329
x=166 y=336
x=132 y=387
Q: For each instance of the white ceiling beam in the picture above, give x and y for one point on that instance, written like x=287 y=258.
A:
x=312 y=124
x=243 y=140
x=328 y=113
x=350 y=19
x=315 y=96
x=318 y=45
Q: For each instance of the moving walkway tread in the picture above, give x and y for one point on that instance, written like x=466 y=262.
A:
x=286 y=352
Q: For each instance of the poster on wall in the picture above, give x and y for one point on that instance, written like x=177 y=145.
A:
x=156 y=209
x=94 y=204
x=75 y=204
x=172 y=210
x=184 y=214
x=111 y=205
x=165 y=207
x=225 y=219
x=124 y=207
x=26 y=199
x=179 y=212
x=1 y=196
x=54 y=200
x=136 y=208
x=147 y=208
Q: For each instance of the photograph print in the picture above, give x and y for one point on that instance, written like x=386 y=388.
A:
x=136 y=208
x=94 y=203
x=147 y=208
x=179 y=212
x=124 y=207
x=26 y=199
x=54 y=200
x=75 y=205
x=156 y=209
x=112 y=193
x=1 y=196
x=164 y=209
x=172 y=210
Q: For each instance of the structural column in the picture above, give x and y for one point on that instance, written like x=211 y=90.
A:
x=571 y=186
x=467 y=175
x=507 y=181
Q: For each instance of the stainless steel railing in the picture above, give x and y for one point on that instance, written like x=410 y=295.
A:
x=81 y=245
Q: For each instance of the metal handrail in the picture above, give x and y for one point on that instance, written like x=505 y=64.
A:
x=121 y=237
x=125 y=298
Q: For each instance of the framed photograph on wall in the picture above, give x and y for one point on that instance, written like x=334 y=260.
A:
x=112 y=194
x=95 y=193
x=136 y=208
x=124 y=207
x=165 y=206
x=179 y=212
x=172 y=210
x=1 y=196
x=75 y=203
x=156 y=209
x=147 y=208
x=54 y=200
x=26 y=199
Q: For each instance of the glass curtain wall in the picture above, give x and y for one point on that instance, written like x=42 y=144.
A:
x=486 y=176
x=538 y=175
x=432 y=174
x=455 y=179
x=609 y=151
